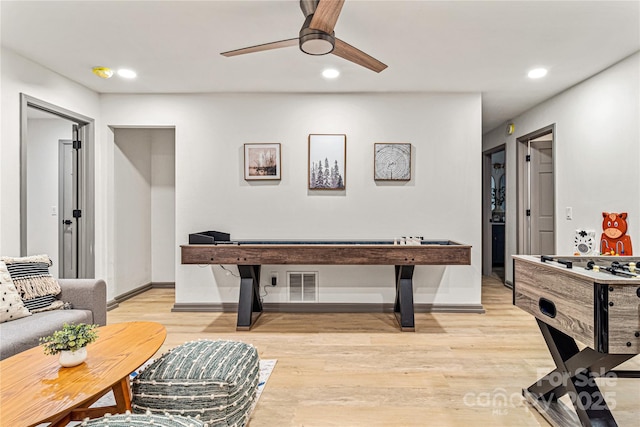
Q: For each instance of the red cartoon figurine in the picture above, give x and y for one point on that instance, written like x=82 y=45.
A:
x=614 y=241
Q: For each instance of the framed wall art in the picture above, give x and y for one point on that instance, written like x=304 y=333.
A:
x=392 y=162
x=327 y=161
x=262 y=161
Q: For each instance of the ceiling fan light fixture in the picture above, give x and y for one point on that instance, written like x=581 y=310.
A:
x=317 y=37
x=317 y=43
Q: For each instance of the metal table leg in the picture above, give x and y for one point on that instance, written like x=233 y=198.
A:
x=249 y=305
x=574 y=375
x=403 y=307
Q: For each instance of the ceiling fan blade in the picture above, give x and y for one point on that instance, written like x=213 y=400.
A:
x=261 y=47
x=350 y=53
x=326 y=15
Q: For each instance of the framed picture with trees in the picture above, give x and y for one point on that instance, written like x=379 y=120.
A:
x=261 y=161
x=327 y=161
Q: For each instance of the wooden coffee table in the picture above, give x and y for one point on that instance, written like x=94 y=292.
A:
x=35 y=389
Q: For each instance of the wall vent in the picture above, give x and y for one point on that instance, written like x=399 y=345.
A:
x=303 y=286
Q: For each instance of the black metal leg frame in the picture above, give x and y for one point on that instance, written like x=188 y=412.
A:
x=249 y=304
x=574 y=375
x=403 y=307
x=250 y=307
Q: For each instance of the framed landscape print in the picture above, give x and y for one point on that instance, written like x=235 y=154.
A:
x=327 y=162
x=261 y=161
x=392 y=162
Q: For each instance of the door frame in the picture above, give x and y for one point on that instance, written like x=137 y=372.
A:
x=86 y=266
x=521 y=152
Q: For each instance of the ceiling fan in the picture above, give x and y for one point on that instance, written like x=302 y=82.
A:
x=317 y=36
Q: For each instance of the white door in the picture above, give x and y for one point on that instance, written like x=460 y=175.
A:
x=67 y=235
x=540 y=235
x=69 y=202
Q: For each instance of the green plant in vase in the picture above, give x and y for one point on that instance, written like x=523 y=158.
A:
x=70 y=342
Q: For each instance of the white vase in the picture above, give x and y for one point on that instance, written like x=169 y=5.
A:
x=69 y=358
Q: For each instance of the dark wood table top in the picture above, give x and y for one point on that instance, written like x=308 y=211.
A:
x=319 y=252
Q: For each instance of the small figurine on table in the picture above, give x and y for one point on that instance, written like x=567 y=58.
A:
x=614 y=240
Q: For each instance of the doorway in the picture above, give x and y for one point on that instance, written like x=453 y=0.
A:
x=494 y=213
x=498 y=212
x=536 y=192
x=42 y=222
x=143 y=209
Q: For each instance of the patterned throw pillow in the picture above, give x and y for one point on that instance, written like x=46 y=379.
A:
x=11 y=306
x=35 y=285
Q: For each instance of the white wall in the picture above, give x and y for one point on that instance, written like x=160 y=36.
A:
x=20 y=75
x=210 y=192
x=132 y=209
x=441 y=201
x=163 y=206
x=42 y=187
x=597 y=152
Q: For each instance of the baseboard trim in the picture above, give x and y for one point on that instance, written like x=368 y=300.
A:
x=132 y=293
x=452 y=308
x=163 y=285
x=276 y=307
x=227 y=307
x=114 y=303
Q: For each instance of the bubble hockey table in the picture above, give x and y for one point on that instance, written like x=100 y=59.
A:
x=589 y=300
x=249 y=256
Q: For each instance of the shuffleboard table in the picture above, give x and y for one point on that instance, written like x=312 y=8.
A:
x=592 y=300
x=249 y=256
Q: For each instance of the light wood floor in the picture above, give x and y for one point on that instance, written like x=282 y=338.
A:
x=359 y=370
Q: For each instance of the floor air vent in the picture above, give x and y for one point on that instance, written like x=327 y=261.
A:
x=303 y=286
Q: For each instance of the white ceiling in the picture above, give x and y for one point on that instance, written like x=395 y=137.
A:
x=429 y=46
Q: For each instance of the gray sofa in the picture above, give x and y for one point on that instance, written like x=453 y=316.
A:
x=88 y=298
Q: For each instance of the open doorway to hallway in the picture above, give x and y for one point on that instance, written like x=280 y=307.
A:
x=536 y=192
x=494 y=213
x=498 y=213
x=57 y=187
x=143 y=209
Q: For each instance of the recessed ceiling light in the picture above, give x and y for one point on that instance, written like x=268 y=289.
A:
x=537 y=73
x=127 y=74
x=330 y=73
x=102 y=72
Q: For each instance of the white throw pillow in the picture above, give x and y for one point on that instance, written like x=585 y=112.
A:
x=11 y=305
